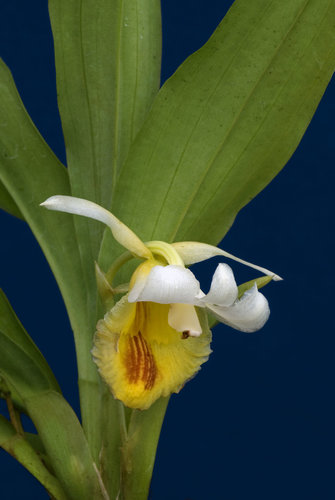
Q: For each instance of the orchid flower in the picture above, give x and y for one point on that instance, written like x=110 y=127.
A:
x=152 y=341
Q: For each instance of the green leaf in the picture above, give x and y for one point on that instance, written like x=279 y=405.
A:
x=31 y=173
x=108 y=69
x=21 y=359
x=8 y=204
x=66 y=445
x=227 y=121
x=21 y=363
x=7 y=389
x=19 y=368
x=35 y=441
x=19 y=448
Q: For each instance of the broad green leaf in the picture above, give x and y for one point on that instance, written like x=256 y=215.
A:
x=20 y=368
x=8 y=204
x=108 y=69
x=35 y=441
x=31 y=173
x=19 y=448
x=227 y=121
x=20 y=359
x=66 y=446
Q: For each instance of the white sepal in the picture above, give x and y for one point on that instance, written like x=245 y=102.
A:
x=121 y=232
x=167 y=285
x=183 y=318
x=192 y=252
x=223 y=290
x=248 y=314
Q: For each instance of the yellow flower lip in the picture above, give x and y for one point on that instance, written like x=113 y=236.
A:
x=141 y=357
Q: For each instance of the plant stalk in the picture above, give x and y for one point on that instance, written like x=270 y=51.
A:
x=139 y=450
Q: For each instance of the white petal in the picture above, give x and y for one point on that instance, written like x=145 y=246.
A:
x=223 y=291
x=167 y=285
x=192 y=252
x=248 y=314
x=183 y=318
x=121 y=232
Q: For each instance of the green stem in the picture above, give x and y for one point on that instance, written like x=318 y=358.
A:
x=139 y=450
x=14 y=415
x=117 y=264
x=90 y=408
x=123 y=422
x=111 y=444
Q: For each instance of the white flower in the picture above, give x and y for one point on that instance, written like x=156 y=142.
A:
x=152 y=341
x=178 y=286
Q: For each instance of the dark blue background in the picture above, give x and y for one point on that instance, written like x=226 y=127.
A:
x=258 y=421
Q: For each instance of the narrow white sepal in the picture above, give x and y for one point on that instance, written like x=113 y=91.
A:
x=248 y=314
x=223 y=290
x=192 y=252
x=183 y=318
x=121 y=232
x=167 y=285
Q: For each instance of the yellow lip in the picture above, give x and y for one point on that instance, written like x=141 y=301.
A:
x=142 y=358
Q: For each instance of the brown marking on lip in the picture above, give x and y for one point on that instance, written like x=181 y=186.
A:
x=140 y=363
x=139 y=357
x=131 y=361
x=185 y=334
x=151 y=368
x=145 y=361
